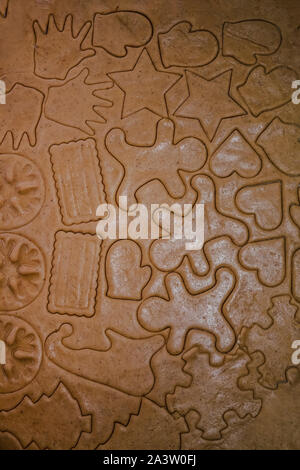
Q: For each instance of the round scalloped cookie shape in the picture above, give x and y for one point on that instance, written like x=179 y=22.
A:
x=23 y=351
x=22 y=271
x=117 y=30
x=281 y=143
x=245 y=40
x=22 y=191
x=182 y=46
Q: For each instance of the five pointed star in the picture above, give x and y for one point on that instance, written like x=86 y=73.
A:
x=144 y=86
x=209 y=101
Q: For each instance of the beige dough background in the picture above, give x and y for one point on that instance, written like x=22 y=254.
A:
x=141 y=344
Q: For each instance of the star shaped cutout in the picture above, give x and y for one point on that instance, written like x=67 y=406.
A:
x=144 y=86
x=209 y=101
